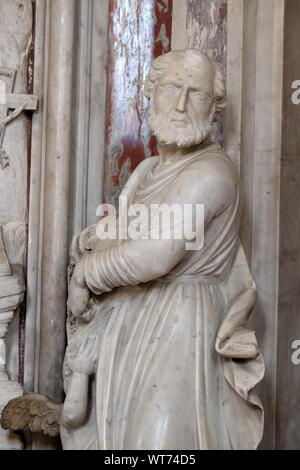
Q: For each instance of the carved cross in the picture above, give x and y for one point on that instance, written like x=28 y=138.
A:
x=10 y=100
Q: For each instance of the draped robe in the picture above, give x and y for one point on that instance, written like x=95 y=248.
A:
x=163 y=379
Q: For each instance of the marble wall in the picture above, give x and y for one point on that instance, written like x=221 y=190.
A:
x=49 y=197
x=260 y=134
x=89 y=97
x=138 y=32
x=16 y=74
x=205 y=27
x=288 y=374
x=16 y=39
x=207 y=30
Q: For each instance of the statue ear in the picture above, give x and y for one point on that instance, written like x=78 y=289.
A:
x=221 y=104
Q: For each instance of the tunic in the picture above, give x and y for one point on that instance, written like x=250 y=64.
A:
x=163 y=381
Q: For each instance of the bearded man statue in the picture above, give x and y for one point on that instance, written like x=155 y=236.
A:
x=159 y=355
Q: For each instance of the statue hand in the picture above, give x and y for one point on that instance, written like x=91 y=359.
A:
x=237 y=314
x=79 y=242
x=79 y=294
x=226 y=330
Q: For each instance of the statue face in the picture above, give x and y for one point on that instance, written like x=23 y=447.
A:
x=182 y=106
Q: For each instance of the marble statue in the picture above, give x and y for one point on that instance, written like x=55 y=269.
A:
x=159 y=355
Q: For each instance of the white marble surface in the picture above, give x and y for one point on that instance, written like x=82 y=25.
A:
x=164 y=323
x=88 y=140
x=179 y=29
x=8 y=439
x=12 y=288
x=83 y=88
x=56 y=195
x=15 y=36
x=36 y=198
x=254 y=140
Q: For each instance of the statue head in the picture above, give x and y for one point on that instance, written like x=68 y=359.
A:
x=186 y=90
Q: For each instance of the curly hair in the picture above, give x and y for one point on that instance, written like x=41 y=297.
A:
x=161 y=63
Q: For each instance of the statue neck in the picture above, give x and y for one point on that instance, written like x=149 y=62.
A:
x=170 y=153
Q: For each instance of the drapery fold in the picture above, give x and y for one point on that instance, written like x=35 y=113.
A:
x=167 y=378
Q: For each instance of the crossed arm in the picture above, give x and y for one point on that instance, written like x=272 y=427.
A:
x=137 y=261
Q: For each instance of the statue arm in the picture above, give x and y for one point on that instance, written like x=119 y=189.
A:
x=132 y=263
x=241 y=294
x=138 y=261
x=79 y=241
x=233 y=338
x=76 y=402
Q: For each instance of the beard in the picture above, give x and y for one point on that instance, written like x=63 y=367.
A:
x=184 y=133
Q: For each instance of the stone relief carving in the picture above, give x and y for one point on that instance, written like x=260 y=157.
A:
x=15 y=40
x=159 y=355
x=12 y=288
x=8 y=100
x=34 y=412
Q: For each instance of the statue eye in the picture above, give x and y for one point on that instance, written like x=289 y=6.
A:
x=200 y=96
x=169 y=87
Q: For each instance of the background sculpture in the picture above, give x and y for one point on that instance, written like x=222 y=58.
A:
x=12 y=288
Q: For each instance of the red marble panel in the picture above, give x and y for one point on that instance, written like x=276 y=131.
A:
x=139 y=30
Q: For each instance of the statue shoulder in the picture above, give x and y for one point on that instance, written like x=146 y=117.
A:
x=146 y=163
x=215 y=166
x=213 y=177
x=144 y=166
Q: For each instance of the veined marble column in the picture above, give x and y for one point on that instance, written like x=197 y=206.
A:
x=202 y=25
x=56 y=197
x=62 y=79
x=56 y=204
x=254 y=139
x=84 y=81
x=36 y=195
x=88 y=142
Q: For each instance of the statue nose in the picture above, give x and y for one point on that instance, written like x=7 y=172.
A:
x=181 y=104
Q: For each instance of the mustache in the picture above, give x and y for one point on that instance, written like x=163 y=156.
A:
x=181 y=118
